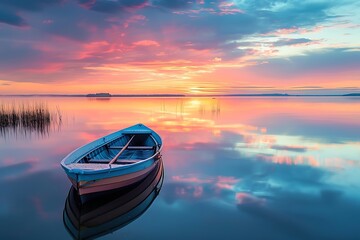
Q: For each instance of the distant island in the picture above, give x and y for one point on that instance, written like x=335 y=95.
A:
x=99 y=95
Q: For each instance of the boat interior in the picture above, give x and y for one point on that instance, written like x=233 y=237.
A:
x=127 y=149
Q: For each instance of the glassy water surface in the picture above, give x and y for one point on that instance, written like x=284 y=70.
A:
x=235 y=168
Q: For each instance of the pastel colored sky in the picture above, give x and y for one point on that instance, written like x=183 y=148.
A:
x=179 y=46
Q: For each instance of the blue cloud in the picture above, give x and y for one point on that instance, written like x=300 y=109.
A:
x=107 y=6
x=17 y=55
x=33 y=5
x=174 y=4
x=326 y=60
x=289 y=41
x=11 y=18
x=9 y=10
x=289 y=148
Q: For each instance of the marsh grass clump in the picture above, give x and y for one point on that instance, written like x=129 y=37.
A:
x=28 y=117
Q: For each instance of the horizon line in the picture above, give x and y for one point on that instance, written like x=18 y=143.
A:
x=180 y=95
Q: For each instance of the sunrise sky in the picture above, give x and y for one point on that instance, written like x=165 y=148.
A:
x=179 y=46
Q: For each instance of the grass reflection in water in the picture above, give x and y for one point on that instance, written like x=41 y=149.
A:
x=28 y=118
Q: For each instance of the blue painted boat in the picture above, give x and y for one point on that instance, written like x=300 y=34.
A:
x=117 y=160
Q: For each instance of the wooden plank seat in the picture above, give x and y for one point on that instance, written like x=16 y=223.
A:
x=106 y=161
x=88 y=166
x=133 y=147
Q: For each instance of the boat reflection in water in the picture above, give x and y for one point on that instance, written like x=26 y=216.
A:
x=95 y=216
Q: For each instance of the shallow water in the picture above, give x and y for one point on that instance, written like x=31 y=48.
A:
x=235 y=168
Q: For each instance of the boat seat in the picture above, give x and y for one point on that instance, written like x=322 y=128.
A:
x=106 y=161
x=88 y=166
x=133 y=147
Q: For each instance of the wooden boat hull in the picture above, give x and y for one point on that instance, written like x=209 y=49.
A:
x=114 y=161
x=107 y=184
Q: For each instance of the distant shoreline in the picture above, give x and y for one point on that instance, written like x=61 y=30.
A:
x=184 y=95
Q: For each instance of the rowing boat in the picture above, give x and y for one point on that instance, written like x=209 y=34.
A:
x=117 y=160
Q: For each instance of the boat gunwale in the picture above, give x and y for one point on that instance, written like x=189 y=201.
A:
x=112 y=167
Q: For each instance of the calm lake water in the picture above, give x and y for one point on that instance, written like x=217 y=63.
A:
x=235 y=168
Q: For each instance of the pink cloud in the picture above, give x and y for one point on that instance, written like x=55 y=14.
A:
x=38 y=204
x=146 y=43
x=227 y=8
x=45 y=68
x=198 y=191
x=228 y=180
x=221 y=186
x=93 y=49
x=219 y=183
x=190 y=179
x=246 y=198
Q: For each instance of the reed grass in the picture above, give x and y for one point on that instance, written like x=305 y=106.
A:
x=28 y=117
